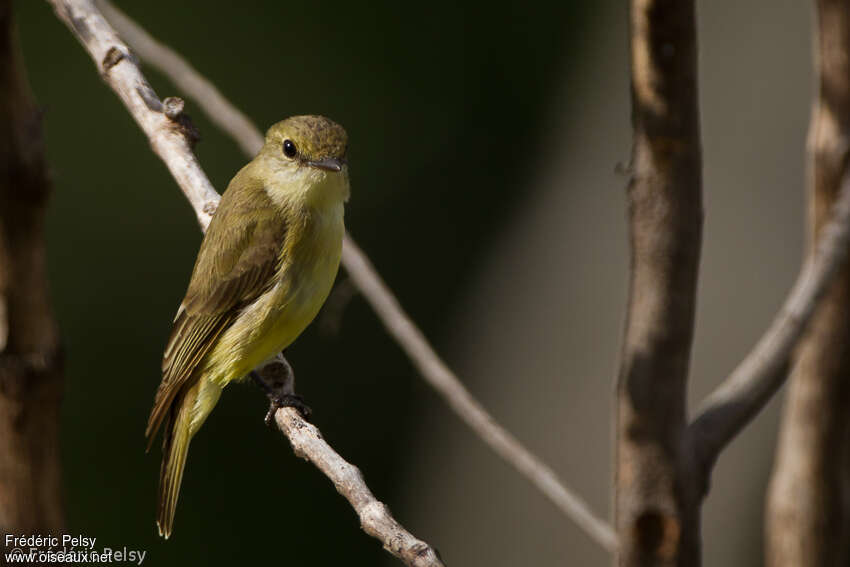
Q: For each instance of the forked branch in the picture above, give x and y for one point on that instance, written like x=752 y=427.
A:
x=726 y=411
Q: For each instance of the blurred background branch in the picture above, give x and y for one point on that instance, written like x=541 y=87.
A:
x=808 y=503
x=657 y=510
x=663 y=467
x=31 y=378
x=364 y=276
x=728 y=409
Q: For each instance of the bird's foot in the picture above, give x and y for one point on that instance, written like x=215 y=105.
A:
x=277 y=380
x=287 y=401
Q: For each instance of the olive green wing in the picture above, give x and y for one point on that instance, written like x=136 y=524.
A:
x=236 y=264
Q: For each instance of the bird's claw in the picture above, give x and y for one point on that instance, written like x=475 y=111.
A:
x=287 y=401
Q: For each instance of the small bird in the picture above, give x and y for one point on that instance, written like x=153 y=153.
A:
x=265 y=267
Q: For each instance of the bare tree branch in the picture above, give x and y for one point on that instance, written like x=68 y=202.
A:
x=807 y=520
x=400 y=326
x=375 y=518
x=740 y=397
x=656 y=503
x=307 y=442
x=169 y=134
x=823 y=356
x=217 y=108
x=366 y=278
x=31 y=383
x=663 y=466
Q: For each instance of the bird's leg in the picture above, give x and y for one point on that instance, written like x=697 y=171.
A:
x=277 y=380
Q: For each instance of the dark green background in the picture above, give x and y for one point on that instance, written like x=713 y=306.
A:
x=444 y=106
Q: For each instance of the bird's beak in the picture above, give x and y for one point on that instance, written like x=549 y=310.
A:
x=328 y=164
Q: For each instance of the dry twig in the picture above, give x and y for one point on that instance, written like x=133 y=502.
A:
x=397 y=322
x=170 y=137
x=307 y=442
x=375 y=517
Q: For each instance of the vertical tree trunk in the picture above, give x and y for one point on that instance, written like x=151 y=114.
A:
x=30 y=360
x=657 y=494
x=806 y=520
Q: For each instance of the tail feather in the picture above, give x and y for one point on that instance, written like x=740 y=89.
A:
x=175 y=446
x=188 y=412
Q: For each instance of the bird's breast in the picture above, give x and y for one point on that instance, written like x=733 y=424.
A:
x=308 y=267
x=307 y=270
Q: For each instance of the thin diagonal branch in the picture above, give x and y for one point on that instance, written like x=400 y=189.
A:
x=217 y=108
x=307 y=442
x=170 y=134
x=118 y=67
x=397 y=322
x=375 y=518
x=402 y=328
x=726 y=411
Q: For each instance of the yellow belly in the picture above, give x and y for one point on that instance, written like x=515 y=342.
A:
x=276 y=318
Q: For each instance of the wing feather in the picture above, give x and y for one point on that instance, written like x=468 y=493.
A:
x=236 y=264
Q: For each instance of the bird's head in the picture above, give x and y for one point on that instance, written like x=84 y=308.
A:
x=307 y=154
x=308 y=141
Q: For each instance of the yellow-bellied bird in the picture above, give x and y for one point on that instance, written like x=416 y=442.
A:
x=265 y=267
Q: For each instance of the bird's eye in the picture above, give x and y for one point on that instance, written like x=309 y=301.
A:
x=289 y=149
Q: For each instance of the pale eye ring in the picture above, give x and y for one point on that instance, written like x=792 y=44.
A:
x=289 y=149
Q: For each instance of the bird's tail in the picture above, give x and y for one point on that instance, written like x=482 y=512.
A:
x=187 y=414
